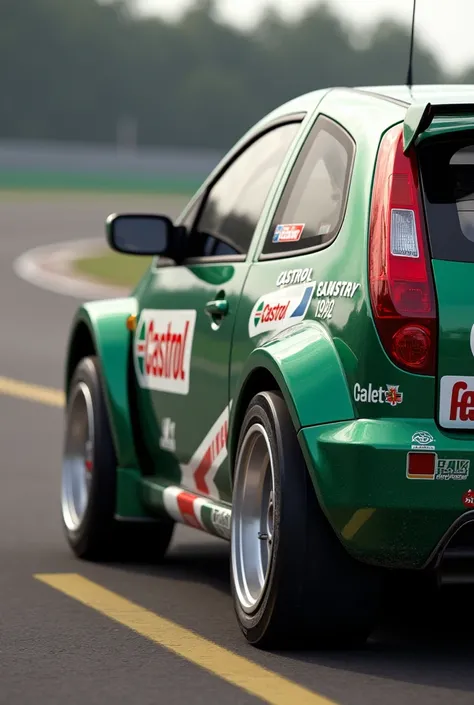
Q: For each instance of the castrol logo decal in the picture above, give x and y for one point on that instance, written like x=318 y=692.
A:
x=281 y=309
x=456 y=406
x=162 y=349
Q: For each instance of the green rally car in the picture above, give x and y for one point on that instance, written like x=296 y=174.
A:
x=295 y=371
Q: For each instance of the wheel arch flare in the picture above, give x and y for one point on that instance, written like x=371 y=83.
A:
x=288 y=363
x=100 y=328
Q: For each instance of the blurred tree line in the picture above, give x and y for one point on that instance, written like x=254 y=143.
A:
x=79 y=70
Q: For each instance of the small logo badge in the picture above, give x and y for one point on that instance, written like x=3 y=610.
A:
x=468 y=499
x=422 y=440
x=393 y=396
x=168 y=435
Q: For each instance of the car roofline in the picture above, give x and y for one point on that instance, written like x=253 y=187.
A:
x=382 y=96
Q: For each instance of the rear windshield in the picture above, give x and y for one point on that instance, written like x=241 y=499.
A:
x=447 y=171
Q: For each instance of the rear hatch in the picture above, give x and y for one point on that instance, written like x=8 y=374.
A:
x=446 y=157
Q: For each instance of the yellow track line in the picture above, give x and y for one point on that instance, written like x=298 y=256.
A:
x=236 y=670
x=31 y=392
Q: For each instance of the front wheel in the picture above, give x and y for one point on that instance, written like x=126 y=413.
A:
x=293 y=583
x=89 y=481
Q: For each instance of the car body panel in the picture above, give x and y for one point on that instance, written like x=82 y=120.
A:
x=359 y=470
x=106 y=322
x=285 y=356
x=193 y=413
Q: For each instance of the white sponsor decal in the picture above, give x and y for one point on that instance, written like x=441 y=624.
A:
x=324 y=229
x=456 y=402
x=168 y=435
x=294 y=276
x=336 y=289
x=221 y=521
x=378 y=395
x=280 y=309
x=452 y=469
x=324 y=308
x=198 y=475
x=162 y=349
x=422 y=440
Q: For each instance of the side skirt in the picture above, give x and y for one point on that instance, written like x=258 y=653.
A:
x=188 y=508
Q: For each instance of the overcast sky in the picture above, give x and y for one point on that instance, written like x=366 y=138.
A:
x=447 y=25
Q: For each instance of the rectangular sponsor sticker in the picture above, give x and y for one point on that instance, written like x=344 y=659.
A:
x=290 y=232
x=427 y=466
x=280 y=309
x=456 y=402
x=162 y=349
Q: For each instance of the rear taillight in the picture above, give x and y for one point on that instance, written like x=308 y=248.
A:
x=401 y=285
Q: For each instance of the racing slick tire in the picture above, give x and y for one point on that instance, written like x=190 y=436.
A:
x=293 y=583
x=88 y=491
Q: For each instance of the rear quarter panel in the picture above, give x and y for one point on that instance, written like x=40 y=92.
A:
x=350 y=330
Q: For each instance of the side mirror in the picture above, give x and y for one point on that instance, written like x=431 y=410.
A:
x=140 y=234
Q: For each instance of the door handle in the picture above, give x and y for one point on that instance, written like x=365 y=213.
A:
x=217 y=308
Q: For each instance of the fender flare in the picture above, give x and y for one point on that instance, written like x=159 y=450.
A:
x=307 y=368
x=105 y=324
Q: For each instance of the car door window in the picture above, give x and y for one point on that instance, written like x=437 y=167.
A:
x=312 y=208
x=235 y=202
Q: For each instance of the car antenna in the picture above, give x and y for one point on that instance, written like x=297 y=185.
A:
x=410 y=59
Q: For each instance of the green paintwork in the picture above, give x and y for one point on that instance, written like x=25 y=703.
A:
x=456 y=317
x=130 y=494
x=356 y=450
x=447 y=124
x=106 y=322
x=286 y=357
x=361 y=465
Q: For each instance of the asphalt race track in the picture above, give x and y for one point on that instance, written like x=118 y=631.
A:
x=55 y=649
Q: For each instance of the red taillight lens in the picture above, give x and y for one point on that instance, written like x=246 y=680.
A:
x=401 y=286
x=411 y=346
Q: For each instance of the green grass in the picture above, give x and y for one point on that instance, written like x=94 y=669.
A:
x=113 y=268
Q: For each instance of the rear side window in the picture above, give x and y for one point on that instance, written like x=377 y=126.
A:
x=312 y=208
x=447 y=171
x=236 y=201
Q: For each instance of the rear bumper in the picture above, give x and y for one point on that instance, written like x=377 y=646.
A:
x=359 y=470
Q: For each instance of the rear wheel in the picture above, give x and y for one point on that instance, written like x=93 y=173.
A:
x=88 y=490
x=293 y=583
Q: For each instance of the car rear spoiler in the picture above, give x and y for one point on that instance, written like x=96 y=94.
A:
x=419 y=117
